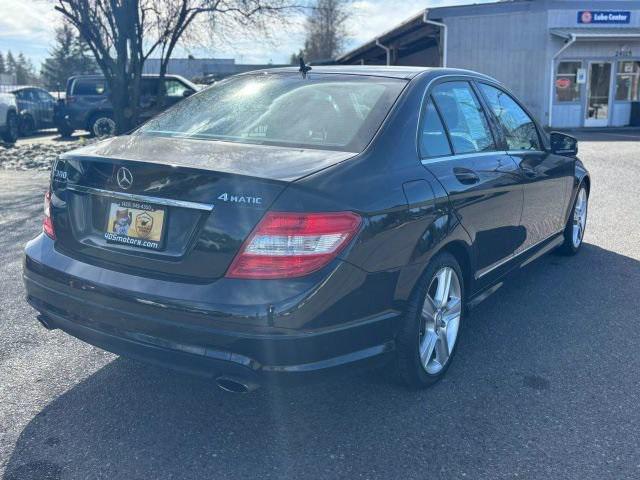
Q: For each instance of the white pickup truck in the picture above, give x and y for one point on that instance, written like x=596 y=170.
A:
x=9 y=120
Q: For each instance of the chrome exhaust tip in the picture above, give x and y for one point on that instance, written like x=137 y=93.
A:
x=235 y=385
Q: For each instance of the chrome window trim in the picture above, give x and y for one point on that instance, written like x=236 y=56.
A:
x=499 y=263
x=443 y=158
x=142 y=198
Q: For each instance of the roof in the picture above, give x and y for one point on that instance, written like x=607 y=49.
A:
x=597 y=33
x=369 y=70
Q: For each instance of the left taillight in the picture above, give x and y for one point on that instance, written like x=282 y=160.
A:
x=47 y=222
x=287 y=244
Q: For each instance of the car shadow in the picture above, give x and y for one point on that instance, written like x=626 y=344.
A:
x=131 y=420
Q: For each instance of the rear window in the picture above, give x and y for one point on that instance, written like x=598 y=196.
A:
x=89 y=87
x=339 y=112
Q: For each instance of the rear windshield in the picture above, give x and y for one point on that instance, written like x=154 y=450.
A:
x=340 y=112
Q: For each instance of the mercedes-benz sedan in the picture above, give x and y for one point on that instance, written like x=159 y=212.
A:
x=279 y=224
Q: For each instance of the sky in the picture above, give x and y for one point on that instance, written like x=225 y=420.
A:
x=27 y=26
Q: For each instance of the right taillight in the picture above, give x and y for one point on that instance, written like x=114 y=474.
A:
x=287 y=244
x=47 y=223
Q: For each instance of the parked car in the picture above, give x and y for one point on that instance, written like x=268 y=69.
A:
x=9 y=121
x=280 y=226
x=87 y=106
x=35 y=107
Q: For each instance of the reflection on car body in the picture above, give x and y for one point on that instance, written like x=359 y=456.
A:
x=345 y=218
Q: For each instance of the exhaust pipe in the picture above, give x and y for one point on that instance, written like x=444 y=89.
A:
x=236 y=385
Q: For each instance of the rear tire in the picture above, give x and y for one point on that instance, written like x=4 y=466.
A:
x=10 y=134
x=576 y=224
x=102 y=125
x=27 y=126
x=428 y=337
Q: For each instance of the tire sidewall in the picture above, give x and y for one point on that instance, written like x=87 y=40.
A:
x=11 y=134
x=568 y=246
x=95 y=119
x=409 y=365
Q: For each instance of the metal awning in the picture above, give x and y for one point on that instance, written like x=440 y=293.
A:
x=596 y=33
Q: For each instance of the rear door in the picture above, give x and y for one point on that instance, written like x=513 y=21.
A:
x=545 y=177
x=458 y=146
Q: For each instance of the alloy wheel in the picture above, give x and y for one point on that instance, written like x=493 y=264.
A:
x=104 y=127
x=579 y=217
x=441 y=313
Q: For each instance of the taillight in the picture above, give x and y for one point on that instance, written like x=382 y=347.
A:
x=47 y=223
x=285 y=245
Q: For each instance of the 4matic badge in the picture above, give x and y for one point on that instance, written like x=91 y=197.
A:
x=240 y=198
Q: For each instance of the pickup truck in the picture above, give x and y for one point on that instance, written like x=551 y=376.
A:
x=9 y=120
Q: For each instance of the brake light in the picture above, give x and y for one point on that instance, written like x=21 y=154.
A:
x=47 y=222
x=286 y=245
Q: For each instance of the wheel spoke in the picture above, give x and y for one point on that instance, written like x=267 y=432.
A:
x=444 y=285
x=429 y=308
x=442 y=347
x=427 y=345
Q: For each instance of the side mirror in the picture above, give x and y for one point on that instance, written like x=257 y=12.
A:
x=187 y=93
x=563 y=144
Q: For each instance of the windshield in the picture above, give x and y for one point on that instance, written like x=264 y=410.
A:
x=340 y=112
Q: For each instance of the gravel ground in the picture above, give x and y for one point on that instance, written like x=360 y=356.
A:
x=545 y=385
x=35 y=154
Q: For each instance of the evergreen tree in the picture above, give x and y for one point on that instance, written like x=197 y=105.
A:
x=25 y=74
x=11 y=63
x=2 y=67
x=69 y=56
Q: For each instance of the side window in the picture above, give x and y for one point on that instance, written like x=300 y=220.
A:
x=175 y=88
x=89 y=87
x=433 y=138
x=519 y=129
x=464 y=118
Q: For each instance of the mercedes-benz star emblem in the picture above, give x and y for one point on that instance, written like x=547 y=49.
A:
x=124 y=178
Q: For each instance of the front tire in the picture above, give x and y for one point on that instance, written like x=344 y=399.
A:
x=574 y=230
x=10 y=134
x=428 y=337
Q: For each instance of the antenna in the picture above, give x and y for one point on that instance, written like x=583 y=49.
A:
x=304 y=69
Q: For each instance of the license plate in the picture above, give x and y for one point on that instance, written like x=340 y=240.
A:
x=136 y=224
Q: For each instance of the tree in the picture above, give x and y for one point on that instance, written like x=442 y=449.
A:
x=2 y=67
x=70 y=56
x=326 y=31
x=11 y=63
x=25 y=73
x=123 y=34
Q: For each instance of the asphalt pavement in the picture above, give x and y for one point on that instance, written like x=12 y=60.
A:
x=545 y=385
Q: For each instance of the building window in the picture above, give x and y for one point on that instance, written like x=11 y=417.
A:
x=567 y=87
x=627 y=81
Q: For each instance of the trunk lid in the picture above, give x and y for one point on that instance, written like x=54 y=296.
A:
x=211 y=195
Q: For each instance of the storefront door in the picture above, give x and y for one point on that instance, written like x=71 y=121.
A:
x=598 y=104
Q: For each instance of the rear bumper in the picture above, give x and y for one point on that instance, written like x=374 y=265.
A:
x=293 y=339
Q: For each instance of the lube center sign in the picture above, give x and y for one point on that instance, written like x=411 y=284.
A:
x=603 y=16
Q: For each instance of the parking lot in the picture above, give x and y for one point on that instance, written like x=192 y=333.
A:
x=546 y=383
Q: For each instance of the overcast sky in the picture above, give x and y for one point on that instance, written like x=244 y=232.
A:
x=27 y=26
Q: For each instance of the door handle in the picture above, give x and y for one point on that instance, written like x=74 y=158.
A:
x=466 y=176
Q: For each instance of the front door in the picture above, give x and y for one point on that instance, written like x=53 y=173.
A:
x=599 y=82
x=544 y=176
